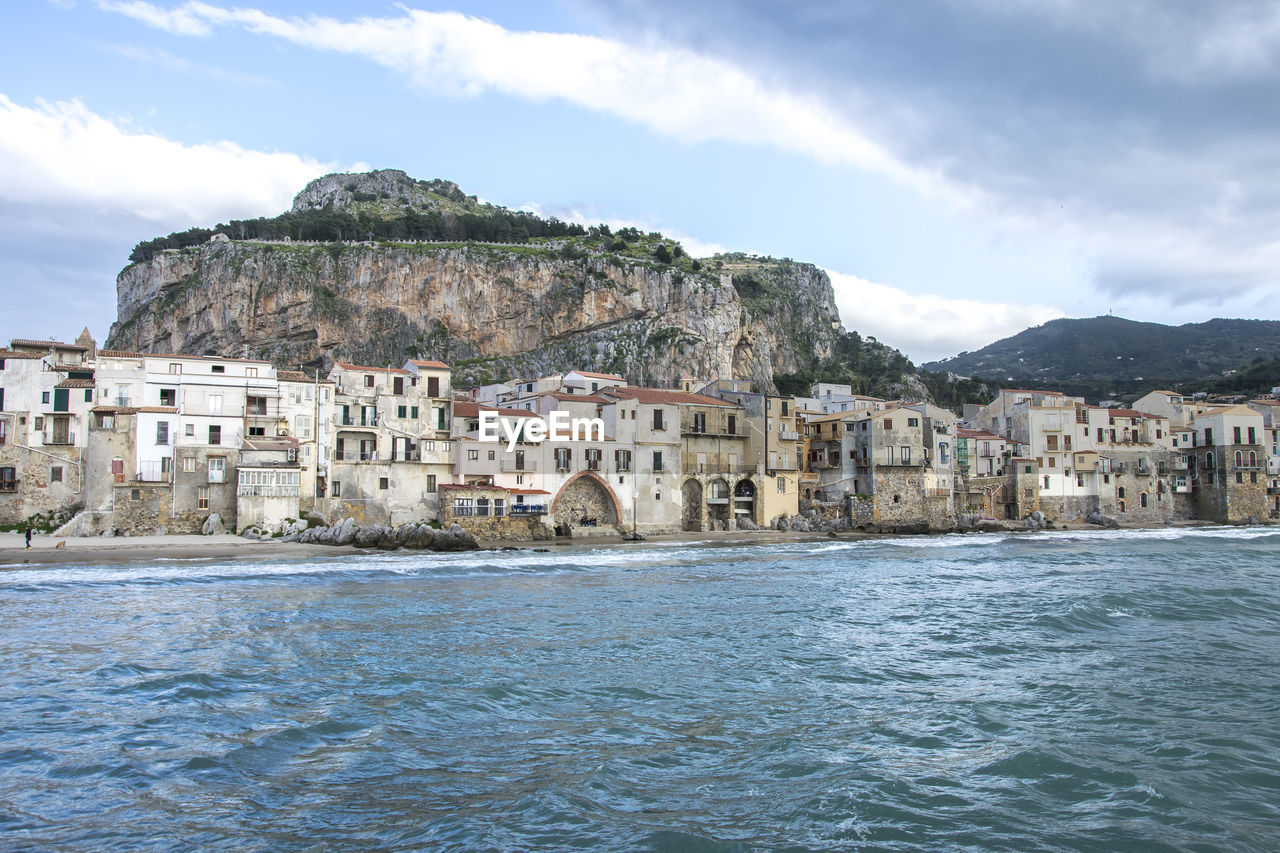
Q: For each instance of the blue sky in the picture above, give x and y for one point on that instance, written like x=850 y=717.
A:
x=962 y=168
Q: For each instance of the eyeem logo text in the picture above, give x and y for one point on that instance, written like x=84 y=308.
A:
x=558 y=427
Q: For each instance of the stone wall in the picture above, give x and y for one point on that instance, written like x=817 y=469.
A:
x=505 y=526
x=38 y=491
x=143 y=509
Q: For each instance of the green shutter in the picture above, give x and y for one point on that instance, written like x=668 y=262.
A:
x=60 y=400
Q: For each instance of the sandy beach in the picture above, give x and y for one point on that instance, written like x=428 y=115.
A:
x=132 y=549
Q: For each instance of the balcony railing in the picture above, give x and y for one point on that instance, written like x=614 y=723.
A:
x=1273 y=490
x=528 y=509
x=59 y=440
x=9 y=485
x=788 y=435
x=355 y=456
x=510 y=466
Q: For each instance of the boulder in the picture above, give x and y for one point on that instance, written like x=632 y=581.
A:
x=213 y=525
x=422 y=538
x=345 y=533
x=369 y=537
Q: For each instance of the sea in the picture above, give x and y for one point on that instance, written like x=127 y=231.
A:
x=1090 y=690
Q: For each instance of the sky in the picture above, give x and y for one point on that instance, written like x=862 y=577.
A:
x=963 y=169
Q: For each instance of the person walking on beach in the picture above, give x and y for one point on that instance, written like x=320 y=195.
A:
x=28 y=537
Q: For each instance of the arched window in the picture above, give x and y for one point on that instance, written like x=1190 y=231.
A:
x=1122 y=506
x=1239 y=459
x=1142 y=499
x=1253 y=459
x=1208 y=460
x=1120 y=492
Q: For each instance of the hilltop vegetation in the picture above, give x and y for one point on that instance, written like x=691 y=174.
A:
x=1103 y=357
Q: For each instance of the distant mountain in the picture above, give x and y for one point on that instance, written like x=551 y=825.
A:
x=1115 y=357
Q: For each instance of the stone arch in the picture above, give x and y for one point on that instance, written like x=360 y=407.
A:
x=691 y=494
x=719 y=503
x=586 y=495
x=744 y=497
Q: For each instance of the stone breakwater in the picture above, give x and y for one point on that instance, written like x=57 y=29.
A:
x=412 y=536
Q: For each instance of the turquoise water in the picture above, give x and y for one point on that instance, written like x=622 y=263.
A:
x=1109 y=690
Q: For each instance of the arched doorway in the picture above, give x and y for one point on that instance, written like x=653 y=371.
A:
x=718 y=505
x=744 y=500
x=691 y=494
x=585 y=502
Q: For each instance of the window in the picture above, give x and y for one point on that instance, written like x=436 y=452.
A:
x=1142 y=500
x=257 y=432
x=905 y=453
x=217 y=469
x=368 y=380
x=913 y=422
x=256 y=405
x=8 y=479
x=1208 y=435
x=657 y=461
x=302 y=423
x=699 y=422
x=215 y=404
x=218 y=368
x=402 y=411
x=657 y=416
x=251 y=372
x=175 y=368
x=431 y=482
x=492 y=455
x=464 y=506
x=1053 y=461
x=337 y=489
x=1079 y=479
x=433 y=386
x=482 y=507
x=888 y=423
x=1253 y=439
x=162 y=432
x=1239 y=476
x=215 y=435
x=44 y=397
x=1046 y=481
x=88 y=395
x=413 y=412
x=1051 y=442
x=382 y=482
x=593 y=459
x=473 y=455
x=499 y=507
x=622 y=459
x=136 y=494
x=202 y=497
x=782 y=483
x=168 y=396
x=564 y=458
x=39 y=423
x=397 y=386
x=1120 y=492
x=55 y=474
x=188 y=464
x=1235 y=435
x=190 y=430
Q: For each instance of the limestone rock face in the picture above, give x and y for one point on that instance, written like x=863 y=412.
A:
x=500 y=310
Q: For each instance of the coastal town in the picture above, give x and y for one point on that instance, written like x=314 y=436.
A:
x=104 y=442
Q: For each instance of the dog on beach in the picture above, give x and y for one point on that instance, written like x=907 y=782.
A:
x=61 y=544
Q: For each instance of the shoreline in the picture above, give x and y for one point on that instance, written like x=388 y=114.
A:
x=141 y=549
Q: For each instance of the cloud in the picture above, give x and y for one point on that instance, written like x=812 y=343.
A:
x=63 y=154
x=181 y=65
x=77 y=190
x=1128 y=127
x=928 y=327
x=673 y=92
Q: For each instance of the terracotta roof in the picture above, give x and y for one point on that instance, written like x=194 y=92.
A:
x=581 y=398
x=469 y=486
x=114 y=410
x=472 y=410
x=529 y=491
x=117 y=353
x=664 y=397
x=1125 y=413
x=367 y=369
x=986 y=435
x=24 y=342
x=436 y=364
x=8 y=353
x=158 y=410
x=597 y=375
x=75 y=383
x=1170 y=393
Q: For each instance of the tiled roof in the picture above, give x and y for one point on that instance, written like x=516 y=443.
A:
x=114 y=410
x=8 y=353
x=1125 y=413
x=472 y=410
x=293 y=376
x=439 y=365
x=24 y=342
x=158 y=410
x=598 y=375
x=485 y=487
x=664 y=397
x=580 y=398
x=75 y=383
x=368 y=369
x=116 y=353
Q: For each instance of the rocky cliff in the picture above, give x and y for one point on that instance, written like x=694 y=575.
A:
x=629 y=304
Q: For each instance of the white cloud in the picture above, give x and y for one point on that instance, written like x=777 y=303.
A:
x=674 y=92
x=181 y=65
x=64 y=155
x=928 y=327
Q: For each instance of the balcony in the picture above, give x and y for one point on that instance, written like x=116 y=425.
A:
x=1180 y=464
x=509 y=466
x=355 y=456
x=59 y=439
x=1273 y=490
x=788 y=435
